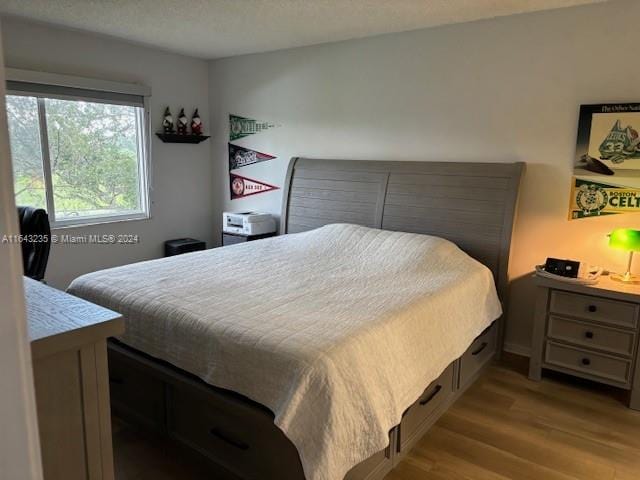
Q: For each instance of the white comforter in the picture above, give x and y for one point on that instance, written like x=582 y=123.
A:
x=337 y=330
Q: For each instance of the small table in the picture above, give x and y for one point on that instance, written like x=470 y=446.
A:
x=233 y=238
x=69 y=352
x=589 y=331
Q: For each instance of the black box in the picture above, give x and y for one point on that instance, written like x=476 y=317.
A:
x=563 y=268
x=182 y=245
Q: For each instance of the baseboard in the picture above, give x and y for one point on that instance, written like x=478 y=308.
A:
x=517 y=349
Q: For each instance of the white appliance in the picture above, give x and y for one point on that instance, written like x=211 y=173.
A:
x=248 y=223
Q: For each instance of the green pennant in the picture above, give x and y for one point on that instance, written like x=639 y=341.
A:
x=240 y=127
x=592 y=199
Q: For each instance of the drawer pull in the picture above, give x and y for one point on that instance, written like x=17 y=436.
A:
x=433 y=394
x=588 y=334
x=227 y=439
x=116 y=380
x=592 y=308
x=586 y=362
x=480 y=349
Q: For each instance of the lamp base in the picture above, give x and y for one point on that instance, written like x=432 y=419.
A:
x=625 y=277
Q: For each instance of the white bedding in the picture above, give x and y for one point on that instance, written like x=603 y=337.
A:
x=337 y=330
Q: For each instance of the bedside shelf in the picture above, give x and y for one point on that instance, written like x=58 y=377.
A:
x=177 y=138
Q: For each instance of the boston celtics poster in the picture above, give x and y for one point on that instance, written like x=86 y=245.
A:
x=607 y=166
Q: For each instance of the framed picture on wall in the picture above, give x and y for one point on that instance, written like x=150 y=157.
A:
x=606 y=173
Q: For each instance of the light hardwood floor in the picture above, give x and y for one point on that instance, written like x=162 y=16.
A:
x=503 y=427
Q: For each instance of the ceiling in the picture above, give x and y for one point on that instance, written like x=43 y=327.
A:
x=221 y=28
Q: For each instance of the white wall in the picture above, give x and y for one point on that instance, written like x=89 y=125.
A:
x=181 y=174
x=19 y=444
x=501 y=90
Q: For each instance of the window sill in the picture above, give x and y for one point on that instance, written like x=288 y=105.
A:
x=90 y=222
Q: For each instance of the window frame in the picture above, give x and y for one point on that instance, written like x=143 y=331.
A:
x=142 y=131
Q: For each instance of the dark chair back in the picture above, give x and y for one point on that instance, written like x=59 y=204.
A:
x=36 y=242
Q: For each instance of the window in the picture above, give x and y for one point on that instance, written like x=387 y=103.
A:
x=79 y=154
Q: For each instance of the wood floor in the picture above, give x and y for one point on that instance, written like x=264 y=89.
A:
x=504 y=427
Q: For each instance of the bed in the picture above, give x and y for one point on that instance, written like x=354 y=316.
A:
x=323 y=368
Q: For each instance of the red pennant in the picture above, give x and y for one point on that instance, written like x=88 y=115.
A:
x=241 y=157
x=243 y=186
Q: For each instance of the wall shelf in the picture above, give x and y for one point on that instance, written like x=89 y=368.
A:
x=177 y=138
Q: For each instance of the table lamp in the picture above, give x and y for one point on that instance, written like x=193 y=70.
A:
x=626 y=239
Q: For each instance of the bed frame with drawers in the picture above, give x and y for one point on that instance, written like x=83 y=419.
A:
x=472 y=204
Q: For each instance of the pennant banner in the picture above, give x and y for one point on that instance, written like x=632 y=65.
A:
x=606 y=170
x=589 y=199
x=241 y=157
x=240 y=127
x=243 y=187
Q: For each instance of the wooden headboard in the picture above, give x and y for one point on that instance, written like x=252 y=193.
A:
x=471 y=204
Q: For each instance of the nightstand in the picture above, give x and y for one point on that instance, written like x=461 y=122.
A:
x=71 y=378
x=233 y=238
x=590 y=331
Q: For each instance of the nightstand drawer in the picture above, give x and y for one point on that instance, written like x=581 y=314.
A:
x=590 y=335
x=233 y=238
x=604 y=367
x=594 y=308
